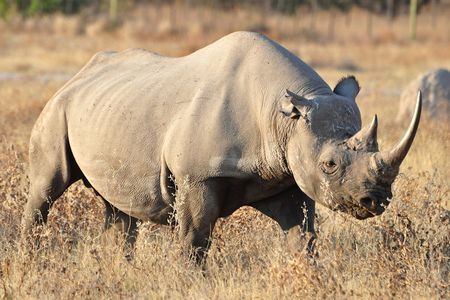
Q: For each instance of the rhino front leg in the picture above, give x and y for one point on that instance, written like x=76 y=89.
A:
x=294 y=212
x=198 y=208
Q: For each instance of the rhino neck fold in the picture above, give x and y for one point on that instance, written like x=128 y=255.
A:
x=275 y=131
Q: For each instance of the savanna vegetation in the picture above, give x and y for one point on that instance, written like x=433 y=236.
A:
x=402 y=254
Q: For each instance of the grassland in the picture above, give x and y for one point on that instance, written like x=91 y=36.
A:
x=402 y=254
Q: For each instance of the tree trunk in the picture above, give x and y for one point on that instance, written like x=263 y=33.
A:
x=433 y=14
x=113 y=11
x=412 y=19
x=390 y=9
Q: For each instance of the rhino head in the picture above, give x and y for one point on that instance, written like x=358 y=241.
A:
x=333 y=160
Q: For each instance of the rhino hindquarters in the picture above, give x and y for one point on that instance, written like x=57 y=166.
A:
x=52 y=166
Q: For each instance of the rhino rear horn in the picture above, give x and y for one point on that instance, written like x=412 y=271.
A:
x=395 y=157
x=366 y=138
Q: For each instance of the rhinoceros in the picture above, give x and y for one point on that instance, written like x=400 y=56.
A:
x=435 y=87
x=241 y=122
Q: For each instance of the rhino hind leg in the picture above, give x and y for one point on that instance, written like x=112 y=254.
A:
x=294 y=212
x=52 y=169
x=51 y=173
x=124 y=223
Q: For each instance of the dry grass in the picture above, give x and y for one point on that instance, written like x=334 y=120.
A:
x=404 y=253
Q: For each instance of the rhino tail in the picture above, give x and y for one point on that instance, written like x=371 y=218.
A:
x=167 y=181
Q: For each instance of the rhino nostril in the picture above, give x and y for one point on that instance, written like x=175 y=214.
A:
x=367 y=202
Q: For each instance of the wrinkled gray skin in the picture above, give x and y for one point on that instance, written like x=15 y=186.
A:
x=240 y=122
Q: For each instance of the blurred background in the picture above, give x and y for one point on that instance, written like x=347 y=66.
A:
x=178 y=27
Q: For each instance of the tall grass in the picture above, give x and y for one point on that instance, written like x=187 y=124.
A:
x=404 y=253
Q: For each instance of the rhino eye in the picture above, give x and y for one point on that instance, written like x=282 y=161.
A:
x=329 y=167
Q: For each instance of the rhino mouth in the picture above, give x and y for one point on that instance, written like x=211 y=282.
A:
x=359 y=212
x=362 y=213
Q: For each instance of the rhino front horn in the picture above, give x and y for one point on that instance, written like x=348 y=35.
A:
x=398 y=153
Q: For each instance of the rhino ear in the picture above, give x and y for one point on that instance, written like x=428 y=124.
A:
x=347 y=87
x=294 y=106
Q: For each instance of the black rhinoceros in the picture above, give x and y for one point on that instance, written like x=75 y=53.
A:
x=242 y=121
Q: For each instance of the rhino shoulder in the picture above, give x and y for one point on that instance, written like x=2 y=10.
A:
x=245 y=35
x=243 y=40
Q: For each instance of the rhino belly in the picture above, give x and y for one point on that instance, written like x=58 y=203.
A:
x=124 y=170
